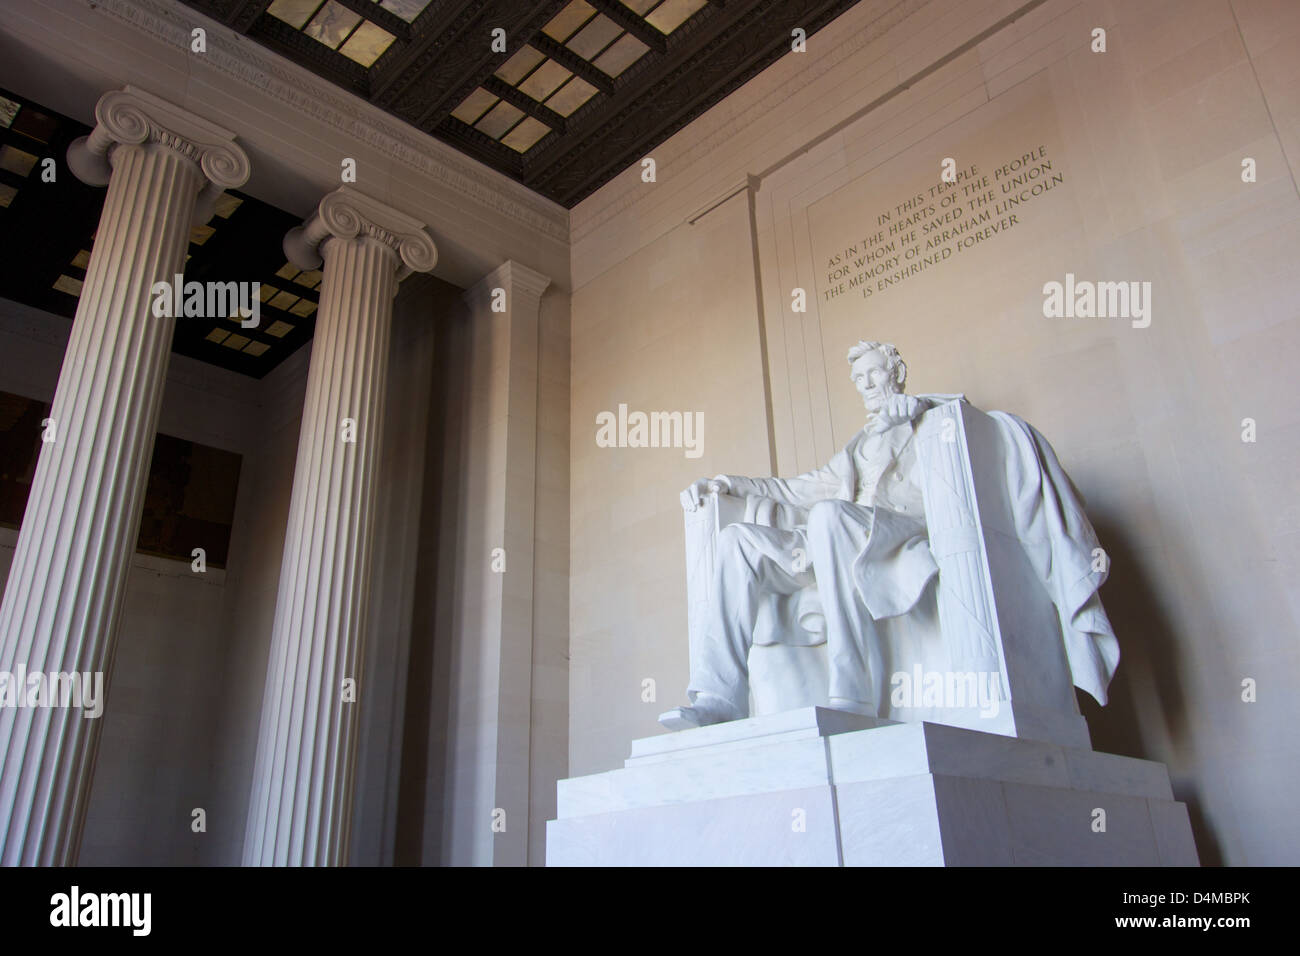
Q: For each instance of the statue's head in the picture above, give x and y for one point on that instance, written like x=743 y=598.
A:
x=878 y=371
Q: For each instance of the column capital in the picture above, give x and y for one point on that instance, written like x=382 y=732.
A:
x=133 y=117
x=348 y=214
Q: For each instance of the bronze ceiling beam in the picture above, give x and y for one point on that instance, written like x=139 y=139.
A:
x=373 y=12
x=528 y=20
x=572 y=62
x=524 y=102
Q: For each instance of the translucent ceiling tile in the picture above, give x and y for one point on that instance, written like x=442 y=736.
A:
x=82 y=259
x=625 y=51
x=516 y=68
x=408 y=10
x=201 y=234
x=266 y=291
x=594 y=37
x=310 y=279
x=474 y=106
x=283 y=300
x=255 y=348
x=565 y=23
x=8 y=110
x=217 y=335
x=227 y=204
x=293 y=12
x=523 y=136
x=235 y=341
x=304 y=307
x=571 y=95
x=287 y=271
x=671 y=14
x=639 y=6
x=16 y=160
x=66 y=283
x=7 y=194
x=545 y=80
x=332 y=24
x=367 y=44
x=501 y=118
x=35 y=125
x=279 y=329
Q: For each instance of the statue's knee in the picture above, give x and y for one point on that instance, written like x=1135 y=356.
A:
x=731 y=539
x=825 y=516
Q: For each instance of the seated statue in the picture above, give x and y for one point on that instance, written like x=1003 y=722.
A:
x=853 y=536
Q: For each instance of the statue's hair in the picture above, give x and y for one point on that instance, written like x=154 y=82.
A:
x=894 y=363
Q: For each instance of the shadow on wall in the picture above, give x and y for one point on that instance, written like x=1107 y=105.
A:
x=422 y=796
x=1149 y=670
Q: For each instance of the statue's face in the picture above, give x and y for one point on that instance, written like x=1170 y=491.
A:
x=872 y=380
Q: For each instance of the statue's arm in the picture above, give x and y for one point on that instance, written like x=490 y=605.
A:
x=801 y=491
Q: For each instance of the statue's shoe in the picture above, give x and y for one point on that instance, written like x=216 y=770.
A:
x=680 y=718
x=706 y=710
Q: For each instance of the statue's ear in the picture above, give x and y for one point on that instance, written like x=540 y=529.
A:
x=900 y=375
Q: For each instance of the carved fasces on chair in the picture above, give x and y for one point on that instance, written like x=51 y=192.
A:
x=967 y=612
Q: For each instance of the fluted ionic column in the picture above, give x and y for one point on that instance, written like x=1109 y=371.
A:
x=63 y=601
x=300 y=806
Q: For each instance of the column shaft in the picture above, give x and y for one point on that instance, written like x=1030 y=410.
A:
x=62 y=605
x=301 y=800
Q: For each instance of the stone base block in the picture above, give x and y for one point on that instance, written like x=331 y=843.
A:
x=816 y=787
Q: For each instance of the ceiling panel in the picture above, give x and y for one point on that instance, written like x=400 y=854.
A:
x=582 y=90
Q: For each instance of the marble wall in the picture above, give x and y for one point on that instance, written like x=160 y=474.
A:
x=154 y=765
x=486 y=726
x=683 y=301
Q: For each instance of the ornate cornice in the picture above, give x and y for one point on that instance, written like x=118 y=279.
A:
x=243 y=59
x=348 y=214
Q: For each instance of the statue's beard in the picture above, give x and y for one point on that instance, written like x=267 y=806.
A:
x=874 y=401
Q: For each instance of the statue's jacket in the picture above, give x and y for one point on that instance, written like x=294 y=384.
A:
x=878 y=469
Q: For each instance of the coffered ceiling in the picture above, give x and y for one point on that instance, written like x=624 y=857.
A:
x=570 y=93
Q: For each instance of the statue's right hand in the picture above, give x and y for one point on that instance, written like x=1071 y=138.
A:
x=693 y=495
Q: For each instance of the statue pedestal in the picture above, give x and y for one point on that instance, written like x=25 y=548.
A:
x=816 y=787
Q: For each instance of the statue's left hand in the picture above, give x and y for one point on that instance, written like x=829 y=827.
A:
x=901 y=408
